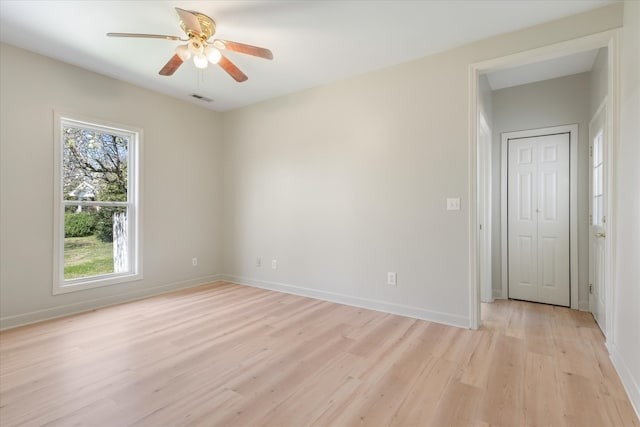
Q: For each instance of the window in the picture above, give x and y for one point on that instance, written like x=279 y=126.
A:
x=96 y=204
x=598 y=180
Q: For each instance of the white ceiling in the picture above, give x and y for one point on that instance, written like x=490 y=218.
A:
x=313 y=42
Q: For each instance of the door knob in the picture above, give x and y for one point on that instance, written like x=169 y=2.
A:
x=600 y=235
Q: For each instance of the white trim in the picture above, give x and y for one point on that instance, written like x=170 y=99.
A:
x=613 y=126
x=504 y=244
x=602 y=105
x=83 y=203
x=370 y=304
x=608 y=39
x=484 y=211
x=626 y=377
x=9 y=322
x=572 y=130
x=472 y=147
x=134 y=205
x=557 y=50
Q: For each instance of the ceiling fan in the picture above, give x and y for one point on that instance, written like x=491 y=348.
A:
x=199 y=28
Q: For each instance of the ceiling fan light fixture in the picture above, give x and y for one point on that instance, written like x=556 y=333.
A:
x=212 y=54
x=183 y=52
x=200 y=61
x=200 y=46
x=195 y=47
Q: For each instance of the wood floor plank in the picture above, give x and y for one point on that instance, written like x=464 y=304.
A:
x=476 y=370
x=503 y=400
x=458 y=406
x=314 y=394
x=230 y=355
x=387 y=393
x=541 y=391
x=425 y=395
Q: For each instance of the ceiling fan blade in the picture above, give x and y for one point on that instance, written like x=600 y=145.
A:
x=144 y=36
x=190 y=21
x=247 y=49
x=171 y=66
x=231 y=69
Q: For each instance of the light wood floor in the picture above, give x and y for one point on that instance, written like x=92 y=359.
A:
x=230 y=355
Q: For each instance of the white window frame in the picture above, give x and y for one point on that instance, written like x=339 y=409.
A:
x=134 y=135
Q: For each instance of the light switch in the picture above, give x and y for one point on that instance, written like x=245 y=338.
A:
x=453 y=204
x=392 y=278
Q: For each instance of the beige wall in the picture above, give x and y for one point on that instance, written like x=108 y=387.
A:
x=180 y=175
x=346 y=182
x=555 y=102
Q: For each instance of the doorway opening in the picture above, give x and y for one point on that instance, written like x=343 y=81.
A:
x=481 y=244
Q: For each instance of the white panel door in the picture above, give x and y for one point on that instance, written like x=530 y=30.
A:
x=597 y=219
x=538 y=219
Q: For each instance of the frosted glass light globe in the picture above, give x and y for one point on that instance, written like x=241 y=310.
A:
x=200 y=61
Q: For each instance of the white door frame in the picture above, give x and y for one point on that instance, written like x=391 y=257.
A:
x=609 y=39
x=572 y=130
x=484 y=209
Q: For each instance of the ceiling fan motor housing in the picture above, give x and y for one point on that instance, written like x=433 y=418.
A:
x=207 y=27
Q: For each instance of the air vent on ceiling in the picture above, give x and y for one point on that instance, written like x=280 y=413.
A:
x=201 y=98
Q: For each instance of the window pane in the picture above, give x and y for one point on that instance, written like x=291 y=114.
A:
x=95 y=165
x=597 y=149
x=95 y=241
x=597 y=180
x=597 y=210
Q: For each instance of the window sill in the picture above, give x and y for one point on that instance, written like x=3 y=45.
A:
x=94 y=282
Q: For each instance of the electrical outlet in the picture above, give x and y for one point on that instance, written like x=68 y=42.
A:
x=274 y=264
x=258 y=262
x=392 y=278
x=194 y=261
x=453 y=204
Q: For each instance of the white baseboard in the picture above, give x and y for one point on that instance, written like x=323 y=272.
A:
x=386 y=307
x=8 y=322
x=630 y=384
